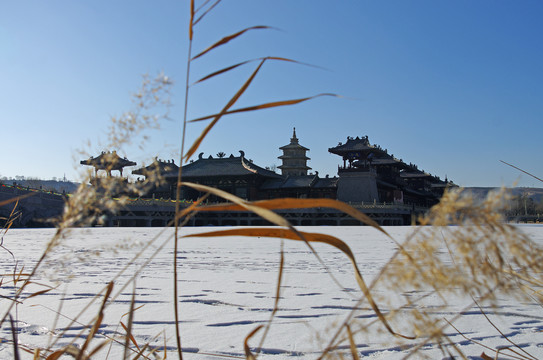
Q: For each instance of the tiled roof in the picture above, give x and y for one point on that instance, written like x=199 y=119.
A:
x=272 y=184
x=108 y=161
x=227 y=166
x=326 y=183
x=163 y=167
x=384 y=160
x=289 y=182
x=414 y=175
x=353 y=144
x=300 y=181
x=293 y=146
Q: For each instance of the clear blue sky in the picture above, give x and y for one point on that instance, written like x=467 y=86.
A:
x=453 y=86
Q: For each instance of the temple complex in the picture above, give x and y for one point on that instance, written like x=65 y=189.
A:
x=368 y=174
x=388 y=189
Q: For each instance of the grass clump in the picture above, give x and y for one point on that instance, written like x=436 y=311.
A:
x=463 y=250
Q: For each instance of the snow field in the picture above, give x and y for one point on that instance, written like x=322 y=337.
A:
x=227 y=288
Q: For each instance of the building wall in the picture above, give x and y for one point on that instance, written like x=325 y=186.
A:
x=357 y=186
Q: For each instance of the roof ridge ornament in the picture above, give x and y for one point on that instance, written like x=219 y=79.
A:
x=294 y=139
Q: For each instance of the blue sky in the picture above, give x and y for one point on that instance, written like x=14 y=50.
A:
x=453 y=86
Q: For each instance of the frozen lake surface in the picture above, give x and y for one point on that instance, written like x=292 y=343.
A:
x=227 y=288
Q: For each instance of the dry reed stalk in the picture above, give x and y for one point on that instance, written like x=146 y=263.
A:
x=196 y=15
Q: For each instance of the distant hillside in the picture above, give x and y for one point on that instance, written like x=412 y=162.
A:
x=536 y=194
x=58 y=186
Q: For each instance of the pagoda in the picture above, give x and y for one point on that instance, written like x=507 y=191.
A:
x=108 y=161
x=294 y=159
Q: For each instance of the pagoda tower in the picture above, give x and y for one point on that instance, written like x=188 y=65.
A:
x=294 y=159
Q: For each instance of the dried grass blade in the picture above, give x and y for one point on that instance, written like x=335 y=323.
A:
x=248 y=354
x=279 y=281
x=165 y=348
x=18 y=277
x=232 y=101
x=130 y=336
x=205 y=12
x=27 y=350
x=222 y=71
x=277 y=297
x=128 y=312
x=504 y=336
x=12 y=215
x=98 y=321
x=141 y=353
x=354 y=350
x=519 y=169
x=91 y=335
x=55 y=355
x=191 y=22
x=291 y=203
x=17 y=198
x=39 y=293
x=264 y=213
x=291 y=60
x=218 y=72
x=98 y=348
x=311 y=237
x=266 y=106
x=128 y=328
x=15 y=342
x=57 y=313
x=202 y=5
x=191 y=209
x=227 y=39
x=9 y=224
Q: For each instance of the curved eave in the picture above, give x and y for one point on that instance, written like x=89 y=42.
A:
x=222 y=167
x=287 y=167
x=293 y=157
x=107 y=166
x=293 y=146
x=344 y=151
x=153 y=168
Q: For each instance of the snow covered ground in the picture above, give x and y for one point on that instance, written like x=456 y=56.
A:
x=227 y=288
